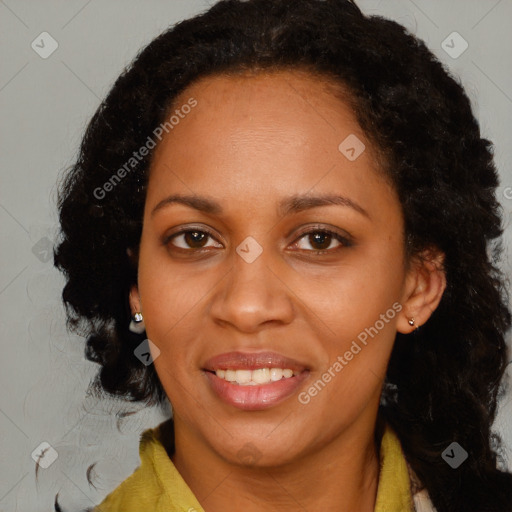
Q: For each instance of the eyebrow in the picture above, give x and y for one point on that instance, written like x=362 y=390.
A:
x=287 y=206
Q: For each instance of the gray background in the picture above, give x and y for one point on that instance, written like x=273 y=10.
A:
x=45 y=105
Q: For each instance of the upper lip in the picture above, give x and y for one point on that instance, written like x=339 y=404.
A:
x=252 y=361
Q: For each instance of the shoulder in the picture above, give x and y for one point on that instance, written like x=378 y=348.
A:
x=142 y=487
x=397 y=474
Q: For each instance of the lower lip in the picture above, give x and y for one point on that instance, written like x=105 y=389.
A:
x=255 y=398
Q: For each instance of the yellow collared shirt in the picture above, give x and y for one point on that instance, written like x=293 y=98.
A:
x=156 y=485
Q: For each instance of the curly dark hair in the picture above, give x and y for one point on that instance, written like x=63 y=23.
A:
x=443 y=381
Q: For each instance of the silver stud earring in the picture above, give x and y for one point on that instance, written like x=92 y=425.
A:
x=411 y=322
x=137 y=323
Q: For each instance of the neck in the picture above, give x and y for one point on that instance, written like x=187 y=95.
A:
x=342 y=476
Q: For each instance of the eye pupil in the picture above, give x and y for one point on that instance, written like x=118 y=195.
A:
x=322 y=239
x=195 y=237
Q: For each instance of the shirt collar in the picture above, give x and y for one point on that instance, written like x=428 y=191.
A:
x=157 y=482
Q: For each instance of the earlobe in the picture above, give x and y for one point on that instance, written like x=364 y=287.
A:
x=137 y=321
x=425 y=285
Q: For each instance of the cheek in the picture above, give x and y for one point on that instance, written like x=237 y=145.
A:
x=168 y=292
x=360 y=305
x=357 y=360
x=354 y=296
x=174 y=299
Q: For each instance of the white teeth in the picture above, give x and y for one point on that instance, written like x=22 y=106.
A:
x=276 y=374
x=243 y=376
x=261 y=376
x=230 y=375
x=255 y=377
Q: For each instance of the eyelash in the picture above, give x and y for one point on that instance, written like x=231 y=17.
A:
x=344 y=241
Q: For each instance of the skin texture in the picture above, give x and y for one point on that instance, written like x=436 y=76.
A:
x=251 y=142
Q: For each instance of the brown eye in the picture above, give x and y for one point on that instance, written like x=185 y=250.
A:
x=321 y=241
x=195 y=238
x=190 y=239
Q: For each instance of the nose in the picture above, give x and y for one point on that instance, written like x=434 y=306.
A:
x=252 y=296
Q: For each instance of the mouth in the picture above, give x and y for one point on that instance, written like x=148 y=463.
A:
x=254 y=381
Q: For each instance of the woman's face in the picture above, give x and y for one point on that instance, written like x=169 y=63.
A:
x=293 y=258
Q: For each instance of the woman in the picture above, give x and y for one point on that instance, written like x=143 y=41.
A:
x=281 y=220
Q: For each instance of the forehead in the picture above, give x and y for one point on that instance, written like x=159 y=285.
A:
x=281 y=99
x=257 y=133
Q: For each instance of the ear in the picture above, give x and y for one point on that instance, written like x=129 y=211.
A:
x=134 y=298
x=135 y=305
x=425 y=284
